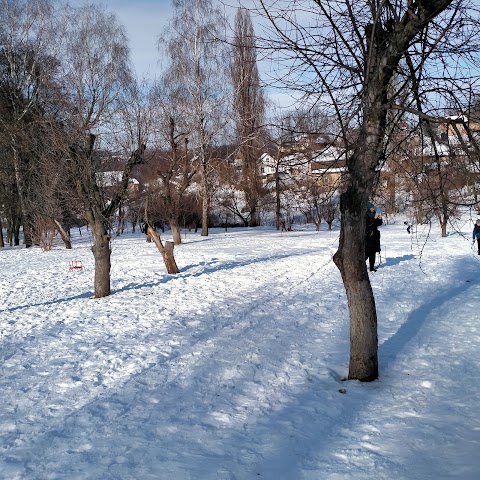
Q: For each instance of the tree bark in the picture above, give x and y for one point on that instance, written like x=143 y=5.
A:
x=176 y=233
x=205 y=209
x=350 y=260
x=278 y=206
x=166 y=251
x=65 y=236
x=169 y=259
x=27 y=235
x=101 y=253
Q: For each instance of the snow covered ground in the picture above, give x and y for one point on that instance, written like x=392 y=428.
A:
x=233 y=368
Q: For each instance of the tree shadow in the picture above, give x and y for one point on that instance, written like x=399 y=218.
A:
x=416 y=319
x=389 y=262
x=49 y=302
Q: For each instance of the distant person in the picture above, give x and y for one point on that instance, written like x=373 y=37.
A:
x=409 y=227
x=283 y=225
x=476 y=233
x=372 y=234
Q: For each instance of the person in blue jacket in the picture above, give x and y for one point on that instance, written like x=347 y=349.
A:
x=476 y=233
x=372 y=234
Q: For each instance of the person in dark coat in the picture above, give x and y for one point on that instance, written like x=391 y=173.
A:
x=476 y=233
x=372 y=234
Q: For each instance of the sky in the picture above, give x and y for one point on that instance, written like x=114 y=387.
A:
x=145 y=19
x=234 y=369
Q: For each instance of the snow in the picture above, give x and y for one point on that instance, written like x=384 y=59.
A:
x=234 y=368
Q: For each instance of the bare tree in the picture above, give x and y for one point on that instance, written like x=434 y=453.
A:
x=9 y=204
x=198 y=66
x=97 y=73
x=330 y=210
x=229 y=198
x=248 y=109
x=52 y=209
x=174 y=175
x=346 y=55
x=26 y=63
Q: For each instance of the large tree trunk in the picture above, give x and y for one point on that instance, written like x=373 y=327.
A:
x=101 y=253
x=350 y=257
x=205 y=192
x=169 y=258
x=350 y=260
x=251 y=190
x=362 y=165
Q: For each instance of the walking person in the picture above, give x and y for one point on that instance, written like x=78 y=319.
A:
x=372 y=234
x=476 y=233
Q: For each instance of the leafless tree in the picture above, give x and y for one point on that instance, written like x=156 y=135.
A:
x=96 y=76
x=229 y=198
x=27 y=60
x=174 y=176
x=330 y=210
x=9 y=210
x=347 y=55
x=52 y=207
x=248 y=109
x=198 y=64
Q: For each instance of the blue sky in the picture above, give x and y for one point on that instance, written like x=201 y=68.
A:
x=145 y=19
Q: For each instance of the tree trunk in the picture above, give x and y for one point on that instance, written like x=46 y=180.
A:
x=277 y=199
x=166 y=251
x=169 y=258
x=350 y=260
x=2 y=243
x=443 y=224
x=176 y=233
x=16 y=233
x=27 y=236
x=350 y=257
x=253 y=220
x=65 y=236
x=121 y=219
x=205 y=212
x=205 y=193
x=101 y=253
x=392 y=191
